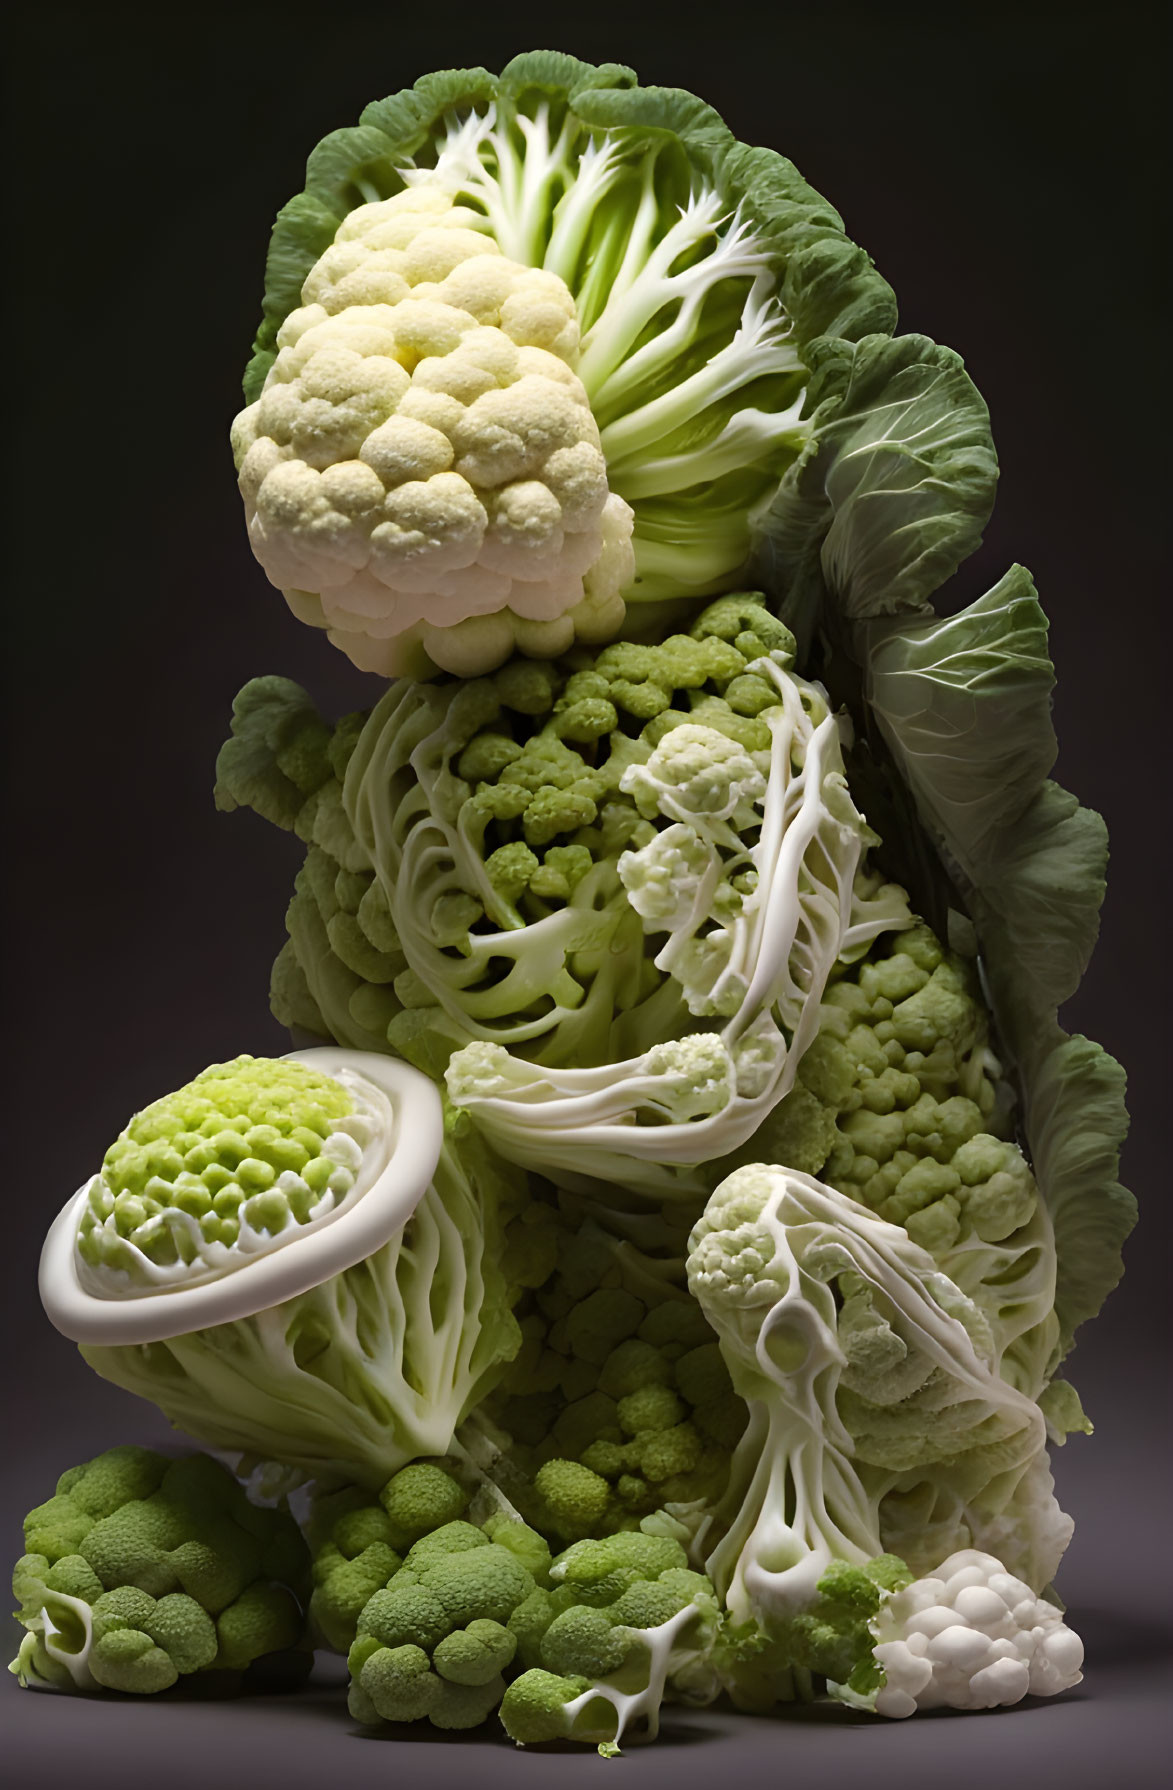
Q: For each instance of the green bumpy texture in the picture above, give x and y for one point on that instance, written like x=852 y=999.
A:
x=618 y=1401
x=437 y=1611
x=829 y=1639
x=543 y=747
x=421 y=1599
x=897 y=1096
x=523 y=768
x=242 y=1141
x=151 y=1569
x=593 y=1631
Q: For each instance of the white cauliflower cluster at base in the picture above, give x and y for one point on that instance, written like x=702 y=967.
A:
x=422 y=473
x=971 y=1637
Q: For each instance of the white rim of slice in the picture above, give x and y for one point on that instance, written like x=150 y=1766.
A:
x=339 y=1241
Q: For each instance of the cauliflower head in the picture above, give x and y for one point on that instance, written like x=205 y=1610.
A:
x=422 y=472
x=971 y=1636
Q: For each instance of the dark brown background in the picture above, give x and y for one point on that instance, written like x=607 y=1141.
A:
x=1001 y=163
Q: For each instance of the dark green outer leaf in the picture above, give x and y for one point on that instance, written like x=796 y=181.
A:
x=1076 y=1120
x=273 y=724
x=964 y=706
x=894 y=488
x=1037 y=916
x=965 y=702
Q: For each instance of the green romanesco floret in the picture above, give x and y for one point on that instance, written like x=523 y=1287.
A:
x=141 y=1570
x=220 y=1169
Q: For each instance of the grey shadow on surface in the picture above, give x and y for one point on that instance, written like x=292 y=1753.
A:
x=671 y=1735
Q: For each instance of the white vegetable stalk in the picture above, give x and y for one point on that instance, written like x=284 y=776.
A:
x=690 y=1100
x=762 y=1257
x=67 y=1645
x=665 y=1654
x=643 y=304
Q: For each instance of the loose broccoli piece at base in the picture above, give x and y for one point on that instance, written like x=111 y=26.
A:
x=422 y=1599
x=141 y=1570
x=625 y=1619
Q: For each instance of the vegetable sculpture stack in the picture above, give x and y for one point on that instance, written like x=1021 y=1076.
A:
x=660 y=1265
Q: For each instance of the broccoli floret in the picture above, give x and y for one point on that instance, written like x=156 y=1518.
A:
x=527 y=1546
x=600 y=1321
x=635 y=1364
x=603 y=1660
x=542 y=1706
x=362 y=1540
x=433 y=1641
x=356 y=1561
x=829 y=1639
x=142 y=1570
x=475 y=1655
x=418 y=1499
x=650 y=1410
x=528 y=1625
x=574 y=1501
x=895 y=1099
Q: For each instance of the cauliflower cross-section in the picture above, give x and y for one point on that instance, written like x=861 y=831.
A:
x=422 y=472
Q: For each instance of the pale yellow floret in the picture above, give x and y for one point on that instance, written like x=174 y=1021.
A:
x=422 y=472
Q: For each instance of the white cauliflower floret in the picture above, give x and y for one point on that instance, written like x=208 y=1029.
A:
x=971 y=1637
x=692 y=1076
x=663 y=879
x=422 y=472
x=695 y=771
x=479 y=1071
